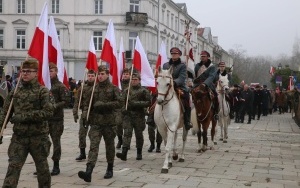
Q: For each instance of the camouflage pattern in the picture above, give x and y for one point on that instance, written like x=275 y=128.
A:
x=32 y=104
x=96 y=133
x=151 y=133
x=86 y=95
x=56 y=122
x=106 y=99
x=134 y=116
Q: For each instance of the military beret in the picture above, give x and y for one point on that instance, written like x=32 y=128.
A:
x=257 y=86
x=265 y=86
x=126 y=70
x=30 y=64
x=102 y=68
x=204 y=53
x=52 y=65
x=222 y=63
x=175 y=50
x=235 y=85
x=136 y=75
x=91 y=71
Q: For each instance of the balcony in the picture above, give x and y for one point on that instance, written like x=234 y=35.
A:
x=136 y=18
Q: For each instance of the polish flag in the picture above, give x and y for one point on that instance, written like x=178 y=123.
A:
x=121 y=62
x=55 y=53
x=162 y=56
x=141 y=63
x=91 y=62
x=291 y=83
x=272 y=70
x=109 y=53
x=39 y=48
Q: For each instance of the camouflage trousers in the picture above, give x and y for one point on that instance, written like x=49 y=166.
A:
x=151 y=132
x=56 y=129
x=95 y=134
x=39 y=148
x=134 y=122
x=82 y=134
x=119 y=119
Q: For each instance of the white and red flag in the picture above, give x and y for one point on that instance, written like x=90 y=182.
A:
x=109 y=52
x=291 y=83
x=141 y=63
x=91 y=62
x=121 y=62
x=162 y=56
x=39 y=48
x=55 y=53
x=272 y=70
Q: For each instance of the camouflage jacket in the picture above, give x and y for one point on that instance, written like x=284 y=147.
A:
x=106 y=99
x=59 y=94
x=139 y=99
x=32 y=102
x=86 y=95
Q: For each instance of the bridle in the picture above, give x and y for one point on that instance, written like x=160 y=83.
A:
x=166 y=101
x=222 y=92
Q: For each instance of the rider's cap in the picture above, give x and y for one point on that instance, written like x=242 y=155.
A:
x=175 y=50
x=235 y=85
x=222 y=64
x=204 y=53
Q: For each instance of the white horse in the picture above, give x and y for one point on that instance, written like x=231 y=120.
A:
x=168 y=117
x=224 y=118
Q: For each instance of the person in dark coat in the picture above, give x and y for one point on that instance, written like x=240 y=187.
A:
x=247 y=101
x=236 y=103
x=266 y=100
x=257 y=102
x=206 y=73
x=179 y=78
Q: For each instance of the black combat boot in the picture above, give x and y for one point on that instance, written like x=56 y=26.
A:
x=158 y=148
x=139 y=154
x=216 y=109
x=109 y=172
x=151 y=148
x=120 y=142
x=82 y=155
x=87 y=175
x=55 y=170
x=187 y=118
x=123 y=155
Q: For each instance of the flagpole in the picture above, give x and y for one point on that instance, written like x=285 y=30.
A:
x=82 y=85
x=127 y=97
x=10 y=106
x=187 y=45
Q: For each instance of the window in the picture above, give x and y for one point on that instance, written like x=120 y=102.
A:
x=21 y=6
x=21 y=34
x=176 y=23
x=132 y=40
x=168 y=18
x=172 y=21
x=134 y=5
x=55 y=6
x=163 y=16
x=1 y=38
x=98 y=40
x=98 y=6
x=0 y=6
x=58 y=34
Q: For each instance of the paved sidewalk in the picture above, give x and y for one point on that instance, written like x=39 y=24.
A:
x=265 y=153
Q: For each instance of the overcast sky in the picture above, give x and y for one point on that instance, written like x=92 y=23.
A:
x=261 y=27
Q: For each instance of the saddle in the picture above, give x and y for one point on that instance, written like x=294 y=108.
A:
x=201 y=90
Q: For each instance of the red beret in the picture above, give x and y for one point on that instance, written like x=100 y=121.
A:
x=175 y=50
x=222 y=63
x=205 y=53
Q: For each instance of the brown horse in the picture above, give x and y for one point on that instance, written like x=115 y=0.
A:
x=203 y=101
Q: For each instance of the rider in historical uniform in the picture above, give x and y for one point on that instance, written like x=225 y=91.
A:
x=83 y=129
x=206 y=73
x=179 y=78
x=106 y=98
x=134 y=116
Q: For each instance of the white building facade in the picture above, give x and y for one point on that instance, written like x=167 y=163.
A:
x=78 y=20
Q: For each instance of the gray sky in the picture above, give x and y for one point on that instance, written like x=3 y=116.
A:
x=261 y=27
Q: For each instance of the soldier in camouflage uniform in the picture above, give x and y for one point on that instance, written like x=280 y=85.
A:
x=119 y=116
x=31 y=108
x=134 y=116
x=106 y=99
x=83 y=130
x=56 y=122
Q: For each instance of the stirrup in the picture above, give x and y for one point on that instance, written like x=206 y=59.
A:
x=216 y=117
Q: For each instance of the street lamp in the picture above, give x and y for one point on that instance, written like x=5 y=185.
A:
x=279 y=66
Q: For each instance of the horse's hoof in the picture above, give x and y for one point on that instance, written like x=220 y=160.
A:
x=175 y=157
x=164 y=171
x=221 y=139
x=211 y=148
x=181 y=160
x=169 y=165
x=215 y=143
x=199 y=150
x=224 y=141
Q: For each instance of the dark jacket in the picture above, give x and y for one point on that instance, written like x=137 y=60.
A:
x=209 y=77
x=179 y=73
